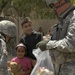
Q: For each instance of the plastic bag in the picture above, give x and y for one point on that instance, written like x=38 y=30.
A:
x=44 y=65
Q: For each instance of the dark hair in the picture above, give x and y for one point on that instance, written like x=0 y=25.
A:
x=26 y=20
x=25 y=49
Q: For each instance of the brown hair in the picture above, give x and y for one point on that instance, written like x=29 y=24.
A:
x=26 y=20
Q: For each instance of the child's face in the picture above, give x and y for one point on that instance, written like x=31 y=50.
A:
x=20 y=52
x=27 y=28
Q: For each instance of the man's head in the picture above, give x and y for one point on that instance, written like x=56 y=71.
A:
x=7 y=29
x=59 y=7
x=27 y=26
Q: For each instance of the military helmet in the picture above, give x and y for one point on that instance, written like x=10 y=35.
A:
x=8 y=28
x=60 y=7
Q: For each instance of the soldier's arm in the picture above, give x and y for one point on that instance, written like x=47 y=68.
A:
x=67 y=44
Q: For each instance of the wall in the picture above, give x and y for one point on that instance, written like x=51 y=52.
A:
x=44 y=23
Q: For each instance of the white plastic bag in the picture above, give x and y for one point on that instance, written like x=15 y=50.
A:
x=43 y=64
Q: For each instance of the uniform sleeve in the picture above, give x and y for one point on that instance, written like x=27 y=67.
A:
x=67 y=44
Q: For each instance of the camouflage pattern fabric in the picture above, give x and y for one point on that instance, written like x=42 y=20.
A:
x=67 y=69
x=3 y=57
x=63 y=51
x=8 y=28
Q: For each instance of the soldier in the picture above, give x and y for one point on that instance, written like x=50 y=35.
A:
x=7 y=30
x=62 y=45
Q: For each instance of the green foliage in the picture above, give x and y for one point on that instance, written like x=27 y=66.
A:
x=25 y=7
x=32 y=8
x=2 y=4
x=73 y=1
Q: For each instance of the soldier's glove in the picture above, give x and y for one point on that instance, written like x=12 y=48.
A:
x=42 y=45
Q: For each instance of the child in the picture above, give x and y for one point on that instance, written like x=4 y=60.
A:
x=22 y=60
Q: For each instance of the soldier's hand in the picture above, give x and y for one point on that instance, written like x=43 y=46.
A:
x=42 y=45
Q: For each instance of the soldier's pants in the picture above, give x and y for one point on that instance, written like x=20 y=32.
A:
x=67 y=68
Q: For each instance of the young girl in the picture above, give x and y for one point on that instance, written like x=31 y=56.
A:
x=22 y=60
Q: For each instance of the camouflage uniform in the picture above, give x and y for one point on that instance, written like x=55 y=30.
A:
x=6 y=28
x=62 y=47
x=3 y=57
x=63 y=51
